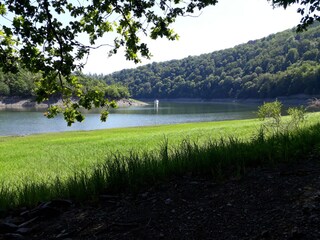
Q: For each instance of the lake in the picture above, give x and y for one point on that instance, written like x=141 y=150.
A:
x=31 y=121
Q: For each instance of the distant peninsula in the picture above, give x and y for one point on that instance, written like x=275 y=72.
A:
x=20 y=102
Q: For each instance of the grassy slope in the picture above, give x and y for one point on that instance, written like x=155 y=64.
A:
x=47 y=155
x=43 y=157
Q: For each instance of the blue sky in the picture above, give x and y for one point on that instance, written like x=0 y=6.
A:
x=229 y=23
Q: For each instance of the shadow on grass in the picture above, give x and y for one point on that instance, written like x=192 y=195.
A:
x=220 y=159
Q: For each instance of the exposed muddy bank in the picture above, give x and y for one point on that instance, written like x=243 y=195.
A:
x=301 y=98
x=18 y=102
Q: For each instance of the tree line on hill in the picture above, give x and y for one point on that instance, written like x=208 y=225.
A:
x=281 y=64
x=24 y=83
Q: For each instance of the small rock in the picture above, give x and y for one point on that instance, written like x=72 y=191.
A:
x=308 y=208
x=265 y=234
x=24 y=230
x=13 y=236
x=296 y=234
x=194 y=183
x=24 y=224
x=48 y=212
x=106 y=196
x=8 y=227
x=43 y=210
x=314 y=217
x=144 y=195
x=58 y=203
x=63 y=234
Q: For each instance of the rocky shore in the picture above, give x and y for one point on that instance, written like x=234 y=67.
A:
x=18 y=103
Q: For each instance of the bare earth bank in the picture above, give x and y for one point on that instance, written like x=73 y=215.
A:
x=18 y=102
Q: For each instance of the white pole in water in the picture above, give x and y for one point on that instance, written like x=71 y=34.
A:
x=156 y=104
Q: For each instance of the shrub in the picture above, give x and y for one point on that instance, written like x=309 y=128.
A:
x=270 y=113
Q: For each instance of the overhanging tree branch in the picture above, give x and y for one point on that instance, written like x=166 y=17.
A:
x=49 y=45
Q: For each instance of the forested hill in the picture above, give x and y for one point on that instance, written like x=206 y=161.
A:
x=281 y=64
x=23 y=84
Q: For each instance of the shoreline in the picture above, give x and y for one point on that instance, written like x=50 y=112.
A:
x=27 y=103
x=301 y=98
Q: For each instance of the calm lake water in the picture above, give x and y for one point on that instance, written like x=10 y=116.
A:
x=30 y=121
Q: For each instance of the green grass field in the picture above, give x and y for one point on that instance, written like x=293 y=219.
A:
x=41 y=159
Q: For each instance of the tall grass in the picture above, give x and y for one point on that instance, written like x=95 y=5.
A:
x=227 y=156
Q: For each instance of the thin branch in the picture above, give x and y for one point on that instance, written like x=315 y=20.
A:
x=79 y=3
x=85 y=63
x=6 y=18
x=101 y=45
x=46 y=6
x=193 y=16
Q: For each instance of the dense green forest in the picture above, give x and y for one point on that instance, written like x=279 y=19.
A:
x=281 y=64
x=24 y=83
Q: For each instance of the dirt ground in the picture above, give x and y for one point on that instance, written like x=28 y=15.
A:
x=266 y=203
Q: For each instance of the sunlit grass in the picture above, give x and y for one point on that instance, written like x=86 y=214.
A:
x=61 y=164
x=43 y=157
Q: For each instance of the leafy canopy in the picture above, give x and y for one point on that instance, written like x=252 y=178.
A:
x=44 y=36
x=309 y=10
